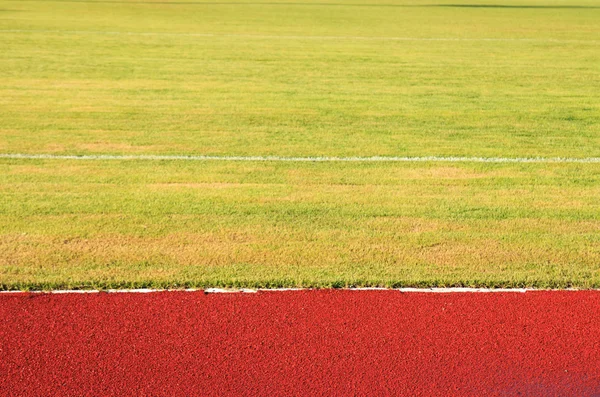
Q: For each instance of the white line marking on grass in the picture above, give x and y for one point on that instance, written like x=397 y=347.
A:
x=297 y=37
x=372 y=159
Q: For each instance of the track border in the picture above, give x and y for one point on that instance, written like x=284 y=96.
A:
x=258 y=290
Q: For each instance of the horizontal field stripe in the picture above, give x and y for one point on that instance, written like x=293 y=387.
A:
x=320 y=4
x=297 y=37
x=249 y=290
x=372 y=159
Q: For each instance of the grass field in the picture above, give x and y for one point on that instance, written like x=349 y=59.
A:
x=502 y=79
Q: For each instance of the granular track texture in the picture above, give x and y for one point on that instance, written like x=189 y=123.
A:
x=321 y=342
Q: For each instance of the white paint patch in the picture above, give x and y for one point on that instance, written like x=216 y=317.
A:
x=459 y=290
x=253 y=291
x=228 y=291
x=297 y=37
x=372 y=159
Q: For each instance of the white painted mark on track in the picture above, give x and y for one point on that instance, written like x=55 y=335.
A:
x=252 y=291
x=372 y=159
x=299 y=37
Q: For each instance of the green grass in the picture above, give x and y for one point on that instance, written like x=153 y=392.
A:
x=299 y=79
x=133 y=223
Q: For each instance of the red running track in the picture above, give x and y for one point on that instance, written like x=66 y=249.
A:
x=323 y=342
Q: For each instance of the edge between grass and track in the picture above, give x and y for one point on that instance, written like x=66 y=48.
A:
x=251 y=287
x=434 y=290
x=258 y=290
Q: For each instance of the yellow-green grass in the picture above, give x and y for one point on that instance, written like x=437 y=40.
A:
x=73 y=224
x=508 y=79
x=283 y=93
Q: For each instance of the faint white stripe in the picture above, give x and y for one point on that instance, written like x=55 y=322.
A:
x=251 y=291
x=373 y=159
x=296 y=37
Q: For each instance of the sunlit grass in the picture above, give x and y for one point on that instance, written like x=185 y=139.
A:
x=77 y=92
x=299 y=78
x=128 y=223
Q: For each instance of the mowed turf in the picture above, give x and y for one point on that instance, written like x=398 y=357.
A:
x=76 y=78
x=141 y=223
x=493 y=79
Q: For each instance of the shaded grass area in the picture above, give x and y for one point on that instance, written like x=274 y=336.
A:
x=67 y=224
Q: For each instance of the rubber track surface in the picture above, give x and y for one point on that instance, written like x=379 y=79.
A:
x=323 y=342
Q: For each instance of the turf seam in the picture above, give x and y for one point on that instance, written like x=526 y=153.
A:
x=372 y=159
